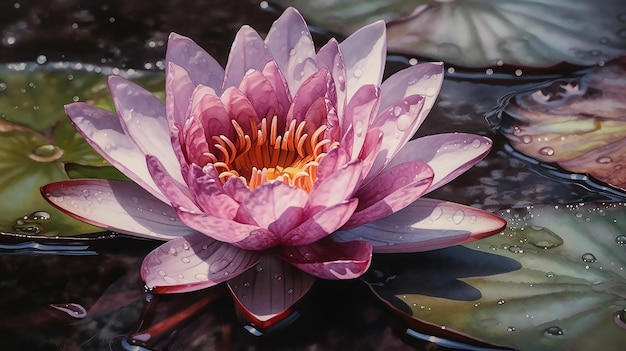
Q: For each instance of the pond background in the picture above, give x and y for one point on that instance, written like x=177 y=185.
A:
x=104 y=277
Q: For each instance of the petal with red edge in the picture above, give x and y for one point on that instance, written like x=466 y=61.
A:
x=449 y=155
x=202 y=67
x=116 y=205
x=267 y=293
x=328 y=259
x=364 y=54
x=248 y=52
x=103 y=131
x=142 y=116
x=321 y=224
x=426 y=224
x=391 y=191
x=291 y=45
x=194 y=262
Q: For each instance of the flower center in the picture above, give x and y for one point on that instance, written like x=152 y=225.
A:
x=292 y=157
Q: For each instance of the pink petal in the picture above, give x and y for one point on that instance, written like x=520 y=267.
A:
x=328 y=259
x=321 y=224
x=202 y=67
x=260 y=92
x=248 y=52
x=276 y=78
x=370 y=151
x=276 y=206
x=193 y=262
x=213 y=116
x=448 y=155
x=337 y=187
x=364 y=54
x=315 y=88
x=398 y=123
x=103 y=131
x=116 y=205
x=178 y=90
x=193 y=143
x=422 y=79
x=330 y=57
x=391 y=191
x=176 y=194
x=291 y=45
x=362 y=108
x=336 y=158
x=239 y=108
x=237 y=189
x=142 y=116
x=426 y=224
x=267 y=293
x=208 y=193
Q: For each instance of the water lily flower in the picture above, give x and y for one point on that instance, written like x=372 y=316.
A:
x=286 y=166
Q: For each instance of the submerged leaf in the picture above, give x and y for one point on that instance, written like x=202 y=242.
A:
x=569 y=294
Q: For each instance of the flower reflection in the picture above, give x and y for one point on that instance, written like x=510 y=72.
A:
x=286 y=166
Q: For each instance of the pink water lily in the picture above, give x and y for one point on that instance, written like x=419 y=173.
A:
x=286 y=166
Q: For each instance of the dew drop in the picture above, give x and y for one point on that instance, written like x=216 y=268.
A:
x=397 y=111
x=458 y=217
x=604 y=160
x=526 y=139
x=292 y=52
x=588 y=258
x=403 y=122
x=162 y=273
x=501 y=302
x=218 y=266
x=620 y=240
x=542 y=237
x=278 y=276
x=516 y=249
x=546 y=151
x=357 y=73
x=201 y=276
x=169 y=280
x=619 y=317
x=476 y=143
x=246 y=284
x=173 y=251
x=550 y=274
x=290 y=291
x=553 y=331
x=41 y=59
x=186 y=246
x=259 y=268
x=436 y=214
x=185 y=260
x=510 y=329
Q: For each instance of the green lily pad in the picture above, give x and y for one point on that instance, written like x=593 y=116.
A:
x=39 y=145
x=569 y=292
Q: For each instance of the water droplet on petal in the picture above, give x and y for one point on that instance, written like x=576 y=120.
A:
x=290 y=291
x=218 y=266
x=201 y=276
x=397 y=111
x=553 y=331
x=546 y=151
x=516 y=249
x=358 y=128
x=458 y=217
x=404 y=122
x=510 y=329
x=185 y=260
x=589 y=258
x=357 y=73
x=604 y=160
x=169 y=280
x=550 y=274
x=436 y=214
x=501 y=302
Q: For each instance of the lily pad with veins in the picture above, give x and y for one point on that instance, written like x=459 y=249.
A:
x=39 y=145
x=569 y=292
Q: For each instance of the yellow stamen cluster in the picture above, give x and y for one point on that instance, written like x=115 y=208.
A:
x=264 y=156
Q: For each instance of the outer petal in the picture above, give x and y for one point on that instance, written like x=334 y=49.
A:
x=320 y=225
x=447 y=154
x=426 y=224
x=328 y=259
x=194 y=262
x=268 y=292
x=364 y=55
x=422 y=79
x=391 y=191
x=201 y=67
x=291 y=45
x=178 y=90
x=143 y=118
x=176 y=194
x=337 y=187
x=103 y=131
x=116 y=205
x=360 y=110
x=248 y=52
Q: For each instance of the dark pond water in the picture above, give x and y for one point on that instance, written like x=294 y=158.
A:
x=73 y=295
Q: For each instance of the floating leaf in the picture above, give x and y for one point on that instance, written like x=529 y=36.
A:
x=569 y=294
x=39 y=145
x=482 y=33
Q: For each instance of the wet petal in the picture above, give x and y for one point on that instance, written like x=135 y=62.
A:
x=330 y=57
x=116 y=205
x=178 y=90
x=449 y=155
x=426 y=224
x=201 y=67
x=194 y=262
x=276 y=78
x=361 y=109
x=260 y=92
x=337 y=187
x=315 y=88
x=103 y=131
x=391 y=191
x=248 y=52
x=291 y=45
x=176 y=194
x=335 y=158
x=328 y=259
x=142 y=116
x=364 y=55
x=208 y=193
x=239 y=108
x=321 y=224
x=267 y=293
